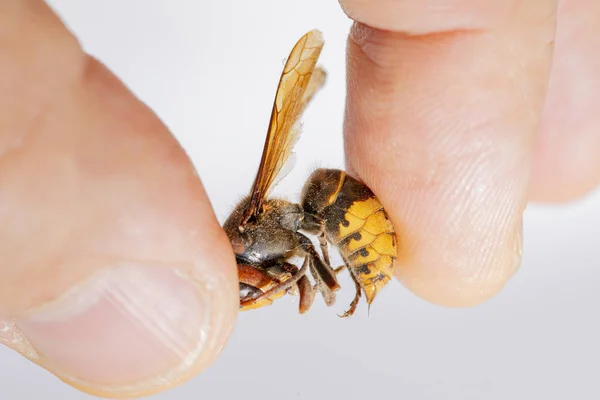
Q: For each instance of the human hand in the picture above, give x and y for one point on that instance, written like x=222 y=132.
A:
x=94 y=180
x=116 y=275
x=449 y=121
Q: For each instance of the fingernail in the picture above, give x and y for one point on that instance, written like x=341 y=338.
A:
x=124 y=326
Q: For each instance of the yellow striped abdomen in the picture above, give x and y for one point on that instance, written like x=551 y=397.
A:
x=367 y=242
x=357 y=224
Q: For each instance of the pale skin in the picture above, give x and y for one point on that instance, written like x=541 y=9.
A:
x=459 y=113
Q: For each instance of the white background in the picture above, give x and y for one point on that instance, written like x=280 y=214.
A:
x=209 y=69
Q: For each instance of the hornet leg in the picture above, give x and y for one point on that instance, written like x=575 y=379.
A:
x=304 y=288
x=324 y=248
x=326 y=282
x=280 y=286
x=352 y=308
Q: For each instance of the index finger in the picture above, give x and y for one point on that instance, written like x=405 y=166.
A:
x=440 y=120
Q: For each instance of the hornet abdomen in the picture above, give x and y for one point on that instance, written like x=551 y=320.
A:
x=356 y=223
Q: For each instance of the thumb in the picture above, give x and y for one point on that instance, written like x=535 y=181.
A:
x=116 y=276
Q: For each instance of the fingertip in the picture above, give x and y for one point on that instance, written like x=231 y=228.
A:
x=132 y=329
x=441 y=127
x=451 y=273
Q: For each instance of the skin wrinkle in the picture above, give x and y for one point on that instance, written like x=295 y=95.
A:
x=504 y=217
x=472 y=212
x=377 y=46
